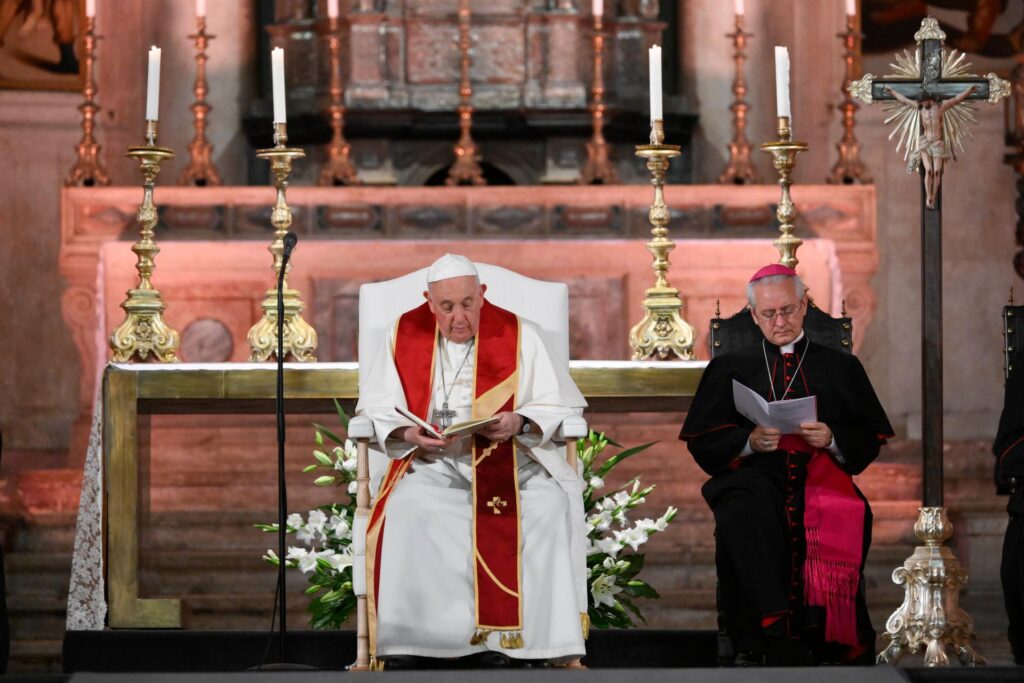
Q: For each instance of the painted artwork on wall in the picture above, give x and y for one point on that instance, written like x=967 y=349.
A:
x=993 y=28
x=40 y=44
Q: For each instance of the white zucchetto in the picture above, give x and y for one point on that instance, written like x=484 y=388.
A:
x=449 y=266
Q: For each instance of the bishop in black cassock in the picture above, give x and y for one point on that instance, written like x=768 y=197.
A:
x=792 y=529
x=1009 y=452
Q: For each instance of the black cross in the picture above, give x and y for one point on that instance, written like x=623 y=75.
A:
x=931 y=85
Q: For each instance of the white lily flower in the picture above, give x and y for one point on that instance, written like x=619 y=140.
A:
x=620 y=498
x=338 y=526
x=317 y=519
x=634 y=538
x=294 y=520
x=609 y=546
x=306 y=534
x=604 y=590
x=648 y=526
x=339 y=561
x=350 y=447
x=270 y=555
x=596 y=482
x=353 y=487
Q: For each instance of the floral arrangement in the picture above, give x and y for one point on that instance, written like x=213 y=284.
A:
x=613 y=560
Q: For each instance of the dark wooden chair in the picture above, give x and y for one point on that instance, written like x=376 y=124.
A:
x=1013 y=337
x=739 y=330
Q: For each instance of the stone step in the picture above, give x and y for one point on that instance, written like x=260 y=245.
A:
x=43 y=573
x=37 y=656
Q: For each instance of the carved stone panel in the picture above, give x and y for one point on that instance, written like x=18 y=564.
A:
x=335 y=317
x=598 y=326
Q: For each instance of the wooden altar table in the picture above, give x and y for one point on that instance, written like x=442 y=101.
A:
x=133 y=390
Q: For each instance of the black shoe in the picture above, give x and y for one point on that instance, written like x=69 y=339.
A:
x=749 y=658
x=485 y=660
x=410 y=663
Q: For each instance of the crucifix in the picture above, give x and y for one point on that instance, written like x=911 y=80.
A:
x=930 y=92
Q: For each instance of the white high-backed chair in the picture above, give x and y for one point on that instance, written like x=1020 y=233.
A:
x=380 y=303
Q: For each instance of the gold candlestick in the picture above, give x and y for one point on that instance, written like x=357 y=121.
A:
x=200 y=169
x=662 y=332
x=784 y=151
x=88 y=170
x=598 y=167
x=299 y=337
x=849 y=168
x=144 y=331
x=740 y=170
x=466 y=169
x=339 y=169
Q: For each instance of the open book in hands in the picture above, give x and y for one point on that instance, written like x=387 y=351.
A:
x=461 y=429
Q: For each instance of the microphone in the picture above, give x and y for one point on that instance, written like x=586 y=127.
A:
x=290 y=240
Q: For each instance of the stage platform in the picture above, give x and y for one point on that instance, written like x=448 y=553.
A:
x=650 y=656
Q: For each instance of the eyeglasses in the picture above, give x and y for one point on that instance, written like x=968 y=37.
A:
x=786 y=312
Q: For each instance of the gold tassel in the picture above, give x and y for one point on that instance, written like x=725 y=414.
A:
x=376 y=664
x=585 y=624
x=480 y=636
x=512 y=640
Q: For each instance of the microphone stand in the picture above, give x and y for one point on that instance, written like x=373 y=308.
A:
x=290 y=240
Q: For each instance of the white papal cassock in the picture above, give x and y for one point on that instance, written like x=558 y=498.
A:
x=426 y=601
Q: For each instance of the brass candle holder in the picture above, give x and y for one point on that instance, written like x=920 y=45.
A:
x=466 y=170
x=598 y=167
x=200 y=169
x=849 y=168
x=662 y=333
x=299 y=337
x=339 y=169
x=740 y=169
x=144 y=331
x=88 y=169
x=784 y=151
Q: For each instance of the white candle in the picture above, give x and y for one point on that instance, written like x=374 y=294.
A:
x=782 y=80
x=277 y=71
x=332 y=9
x=740 y=6
x=200 y=8
x=90 y=8
x=597 y=9
x=851 y=8
x=654 y=55
x=153 y=85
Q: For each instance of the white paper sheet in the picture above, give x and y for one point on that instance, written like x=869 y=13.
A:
x=786 y=416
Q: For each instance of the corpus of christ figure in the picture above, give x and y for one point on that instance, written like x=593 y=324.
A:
x=930 y=150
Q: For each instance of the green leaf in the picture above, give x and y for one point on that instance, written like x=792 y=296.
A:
x=611 y=462
x=329 y=434
x=342 y=415
x=313 y=589
x=639 y=589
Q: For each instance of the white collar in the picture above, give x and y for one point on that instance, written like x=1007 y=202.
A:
x=788 y=348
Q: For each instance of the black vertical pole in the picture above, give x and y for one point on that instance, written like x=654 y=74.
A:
x=931 y=347
x=282 y=489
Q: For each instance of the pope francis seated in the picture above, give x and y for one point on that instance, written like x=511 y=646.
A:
x=476 y=544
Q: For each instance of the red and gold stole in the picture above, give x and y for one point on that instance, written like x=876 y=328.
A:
x=496 y=520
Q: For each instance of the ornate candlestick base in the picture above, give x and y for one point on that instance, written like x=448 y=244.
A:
x=784 y=151
x=662 y=333
x=299 y=337
x=144 y=331
x=930 y=615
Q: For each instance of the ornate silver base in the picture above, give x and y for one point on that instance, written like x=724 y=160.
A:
x=930 y=615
